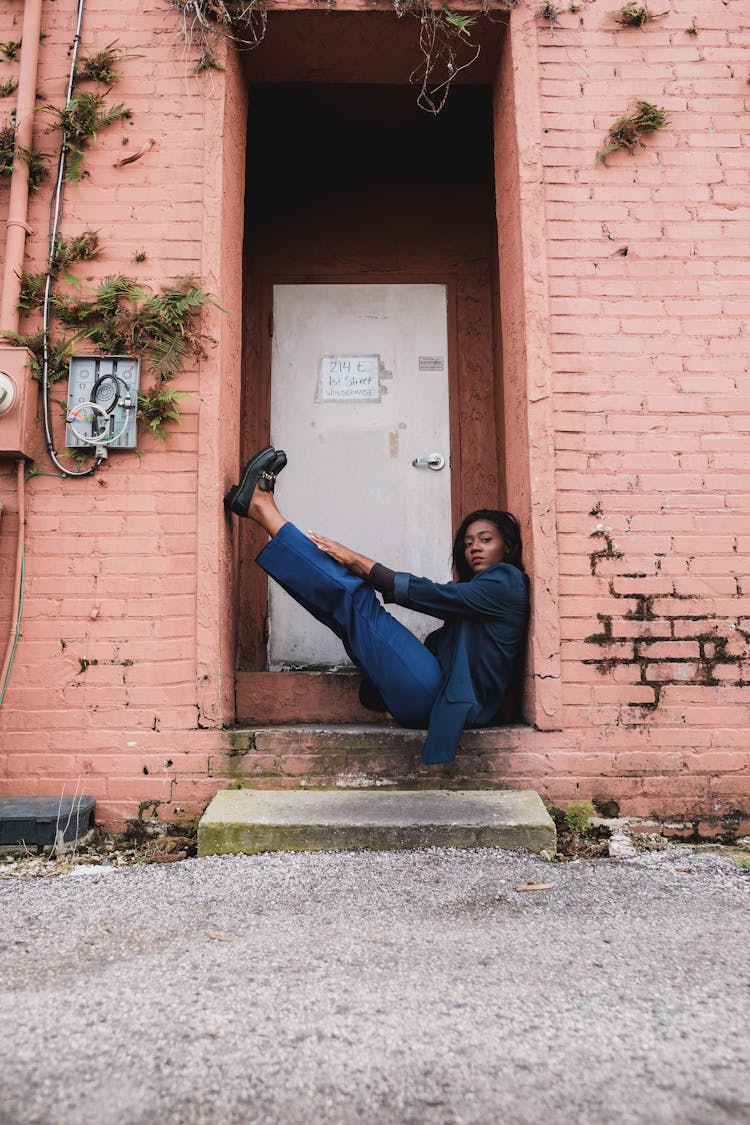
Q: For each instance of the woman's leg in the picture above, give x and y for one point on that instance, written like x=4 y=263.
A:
x=405 y=673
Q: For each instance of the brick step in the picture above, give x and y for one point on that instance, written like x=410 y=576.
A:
x=251 y=821
x=299 y=697
x=364 y=754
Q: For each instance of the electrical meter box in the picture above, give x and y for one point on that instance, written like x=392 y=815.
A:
x=20 y=432
x=102 y=401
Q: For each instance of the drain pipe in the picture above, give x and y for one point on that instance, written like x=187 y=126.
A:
x=15 y=249
x=15 y=615
x=18 y=205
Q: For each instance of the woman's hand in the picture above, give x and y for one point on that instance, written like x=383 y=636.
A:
x=352 y=560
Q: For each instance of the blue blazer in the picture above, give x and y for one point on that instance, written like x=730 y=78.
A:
x=477 y=647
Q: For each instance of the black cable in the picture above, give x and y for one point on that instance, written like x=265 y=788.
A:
x=124 y=389
x=121 y=389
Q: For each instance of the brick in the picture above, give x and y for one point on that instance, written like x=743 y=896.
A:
x=663 y=762
x=596 y=653
x=734 y=786
x=695 y=586
x=719 y=762
x=9 y=787
x=624 y=694
x=675 y=672
x=577 y=695
x=643 y=586
x=731 y=673
x=712 y=716
x=728 y=736
x=669 y=650
x=139 y=788
x=661 y=629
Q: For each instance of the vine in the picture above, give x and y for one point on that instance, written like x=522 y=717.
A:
x=9 y=50
x=81 y=120
x=101 y=66
x=627 y=131
x=636 y=15
x=159 y=406
x=121 y=317
x=204 y=22
x=83 y=248
x=549 y=12
x=7 y=149
x=444 y=36
x=36 y=161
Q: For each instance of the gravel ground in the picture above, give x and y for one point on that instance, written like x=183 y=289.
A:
x=378 y=987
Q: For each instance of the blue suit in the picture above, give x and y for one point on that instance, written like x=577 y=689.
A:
x=458 y=677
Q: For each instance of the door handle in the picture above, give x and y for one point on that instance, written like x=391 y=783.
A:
x=434 y=461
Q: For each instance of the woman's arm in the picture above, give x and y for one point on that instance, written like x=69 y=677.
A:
x=492 y=594
x=379 y=576
x=358 y=564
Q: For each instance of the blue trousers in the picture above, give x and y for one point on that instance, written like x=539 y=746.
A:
x=405 y=673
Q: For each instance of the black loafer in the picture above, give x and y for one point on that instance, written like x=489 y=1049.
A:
x=274 y=469
x=260 y=470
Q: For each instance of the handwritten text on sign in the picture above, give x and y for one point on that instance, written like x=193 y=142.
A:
x=349 y=378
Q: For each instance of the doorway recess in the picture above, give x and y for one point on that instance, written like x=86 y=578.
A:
x=349 y=182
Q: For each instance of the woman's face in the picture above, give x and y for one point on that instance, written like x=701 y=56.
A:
x=483 y=545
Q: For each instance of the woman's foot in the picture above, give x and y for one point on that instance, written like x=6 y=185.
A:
x=262 y=509
x=259 y=472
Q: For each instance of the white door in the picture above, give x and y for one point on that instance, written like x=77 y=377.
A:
x=359 y=391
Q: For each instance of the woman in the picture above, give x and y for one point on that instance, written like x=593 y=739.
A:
x=461 y=674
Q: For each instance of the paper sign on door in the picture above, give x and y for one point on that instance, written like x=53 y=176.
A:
x=349 y=378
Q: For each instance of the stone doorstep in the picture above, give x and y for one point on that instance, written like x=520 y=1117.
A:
x=362 y=738
x=252 y=820
x=323 y=737
x=373 y=730
x=355 y=755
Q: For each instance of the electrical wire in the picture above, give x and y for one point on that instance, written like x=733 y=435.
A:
x=124 y=401
x=78 y=413
x=121 y=398
x=55 y=214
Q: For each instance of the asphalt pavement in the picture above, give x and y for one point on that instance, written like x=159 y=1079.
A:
x=437 y=986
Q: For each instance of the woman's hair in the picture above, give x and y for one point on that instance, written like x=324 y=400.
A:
x=508 y=527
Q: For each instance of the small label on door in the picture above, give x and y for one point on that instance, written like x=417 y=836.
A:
x=432 y=363
x=349 y=378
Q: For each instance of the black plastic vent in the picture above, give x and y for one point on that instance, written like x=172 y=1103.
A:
x=36 y=821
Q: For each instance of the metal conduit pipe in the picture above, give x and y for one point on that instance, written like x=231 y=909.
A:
x=18 y=205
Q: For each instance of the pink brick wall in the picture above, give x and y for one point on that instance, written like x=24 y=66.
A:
x=109 y=685
x=123 y=676
x=649 y=298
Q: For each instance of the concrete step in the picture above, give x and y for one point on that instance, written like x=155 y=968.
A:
x=252 y=820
